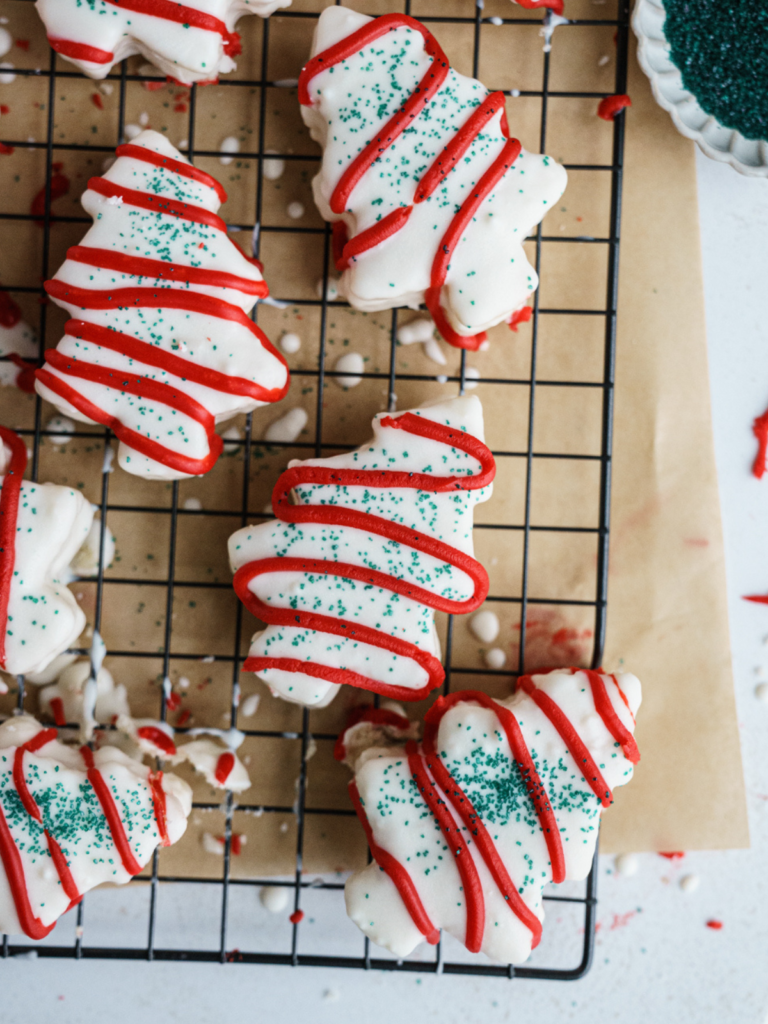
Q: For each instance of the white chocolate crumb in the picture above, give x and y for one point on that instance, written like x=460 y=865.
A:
x=433 y=351
x=471 y=377
x=514 y=92
x=274 y=898
x=132 y=131
x=63 y=428
x=208 y=659
x=272 y=168
x=485 y=626
x=106 y=88
x=689 y=883
x=495 y=21
x=761 y=692
x=287 y=428
x=283 y=827
x=603 y=61
x=250 y=705
x=211 y=844
x=484 y=346
x=626 y=864
x=495 y=658
x=183 y=683
x=295 y=210
x=192 y=505
x=6 y=77
x=143 y=119
x=415 y=331
x=229 y=145
x=290 y=343
x=351 y=365
x=184 y=144
x=441 y=379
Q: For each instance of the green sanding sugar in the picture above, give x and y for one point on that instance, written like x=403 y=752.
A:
x=721 y=48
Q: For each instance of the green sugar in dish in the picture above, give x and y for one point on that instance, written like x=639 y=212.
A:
x=721 y=48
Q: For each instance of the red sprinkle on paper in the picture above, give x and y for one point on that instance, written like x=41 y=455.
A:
x=296 y=916
x=522 y=316
x=173 y=701
x=97 y=101
x=184 y=717
x=676 y=855
x=612 y=105
x=153 y=86
x=181 y=108
x=23 y=44
x=4 y=108
x=5 y=149
x=760 y=430
x=714 y=924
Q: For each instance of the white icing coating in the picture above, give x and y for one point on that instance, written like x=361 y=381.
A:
x=473 y=746
x=184 y=51
x=86 y=561
x=72 y=814
x=351 y=366
x=485 y=626
x=211 y=342
x=287 y=428
x=43 y=616
x=446 y=516
x=18 y=340
x=70 y=687
x=204 y=757
x=489 y=275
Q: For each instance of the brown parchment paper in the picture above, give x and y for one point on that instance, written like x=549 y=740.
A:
x=667 y=617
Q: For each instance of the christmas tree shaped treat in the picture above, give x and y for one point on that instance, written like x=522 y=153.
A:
x=41 y=529
x=349 y=577
x=160 y=347
x=500 y=798
x=72 y=819
x=192 y=42
x=430 y=198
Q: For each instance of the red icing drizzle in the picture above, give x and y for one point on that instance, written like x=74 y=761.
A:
x=609 y=107
x=158 y=738
x=162 y=9
x=332 y=515
x=9 y=510
x=611 y=720
x=224 y=766
x=760 y=430
x=402 y=880
x=14 y=869
x=155 y=298
x=111 y=813
x=412 y=108
x=155 y=780
x=377 y=716
x=57 y=708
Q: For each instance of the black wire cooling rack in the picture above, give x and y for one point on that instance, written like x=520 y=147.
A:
x=583 y=901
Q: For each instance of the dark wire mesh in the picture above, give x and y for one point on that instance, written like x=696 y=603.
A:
x=585 y=899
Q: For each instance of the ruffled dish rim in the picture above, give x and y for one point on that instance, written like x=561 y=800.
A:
x=715 y=140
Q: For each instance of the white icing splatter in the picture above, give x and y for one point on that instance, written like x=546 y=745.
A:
x=86 y=562
x=547 y=30
x=250 y=705
x=288 y=427
x=485 y=626
x=689 y=883
x=274 y=898
x=211 y=844
x=331 y=291
x=143 y=116
x=192 y=505
x=290 y=343
x=295 y=210
x=231 y=738
x=6 y=76
x=6 y=41
x=272 y=168
x=351 y=365
x=131 y=131
x=495 y=658
x=626 y=864
x=62 y=428
x=228 y=145
x=471 y=377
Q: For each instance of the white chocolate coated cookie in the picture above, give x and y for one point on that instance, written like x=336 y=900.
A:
x=160 y=347
x=73 y=819
x=349 y=577
x=41 y=528
x=430 y=197
x=194 y=41
x=500 y=798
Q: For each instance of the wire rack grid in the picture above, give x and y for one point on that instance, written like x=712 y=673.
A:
x=479 y=22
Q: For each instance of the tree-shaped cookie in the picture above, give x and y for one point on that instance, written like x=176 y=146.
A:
x=430 y=198
x=500 y=798
x=72 y=819
x=160 y=347
x=349 y=577
x=192 y=42
x=41 y=529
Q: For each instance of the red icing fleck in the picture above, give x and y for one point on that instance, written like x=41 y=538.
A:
x=23 y=44
x=346 y=251
x=181 y=108
x=153 y=86
x=675 y=855
x=5 y=149
x=339 y=516
x=224 y=766
x=714 y=924
x=4 y=108
x=59 y=188
x=57 y=707
x=296 y=916
x=173 y=701
x=609 y=107
x=757 y=598
x=522 y=316
x=760 y=430
x=158 y=738
x=532 y=5
x=235 y=843
x=184 y=717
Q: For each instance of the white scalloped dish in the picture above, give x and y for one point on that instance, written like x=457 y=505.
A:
x=748 y=156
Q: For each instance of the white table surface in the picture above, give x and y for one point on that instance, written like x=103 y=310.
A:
x=656 y=960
